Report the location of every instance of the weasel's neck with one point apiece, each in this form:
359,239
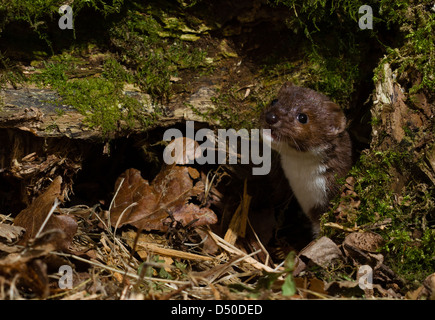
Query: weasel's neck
305,172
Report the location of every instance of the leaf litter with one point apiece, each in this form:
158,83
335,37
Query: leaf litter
157,205
160,240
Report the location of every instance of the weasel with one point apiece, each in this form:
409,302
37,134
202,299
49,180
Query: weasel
309,132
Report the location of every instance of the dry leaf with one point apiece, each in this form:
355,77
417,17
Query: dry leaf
148,206
425,291
362,248
322,252
366,241
32,218
237,227
182,150
344,288
208,244
310,287
29,270
10,233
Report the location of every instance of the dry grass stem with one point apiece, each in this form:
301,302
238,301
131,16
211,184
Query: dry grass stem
50,213
131,275
232,249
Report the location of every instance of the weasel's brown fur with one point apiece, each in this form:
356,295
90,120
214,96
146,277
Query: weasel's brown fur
309,131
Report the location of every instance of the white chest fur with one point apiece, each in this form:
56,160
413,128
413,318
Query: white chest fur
305,173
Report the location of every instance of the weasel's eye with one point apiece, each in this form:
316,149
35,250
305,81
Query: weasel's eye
302,118
274,101
271,117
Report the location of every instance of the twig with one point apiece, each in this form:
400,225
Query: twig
340,227
6,218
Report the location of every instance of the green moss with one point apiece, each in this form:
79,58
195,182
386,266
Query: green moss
335,56
115,72
417,54
148,38
142,57
411,257
335,76
140,45
101,99
9,73
410,240
41,15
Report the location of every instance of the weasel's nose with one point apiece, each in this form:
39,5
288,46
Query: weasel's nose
271,117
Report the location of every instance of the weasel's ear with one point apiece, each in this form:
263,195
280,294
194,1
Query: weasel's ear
286,87
288,84
337,119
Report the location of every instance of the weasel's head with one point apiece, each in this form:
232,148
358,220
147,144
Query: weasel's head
302,119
